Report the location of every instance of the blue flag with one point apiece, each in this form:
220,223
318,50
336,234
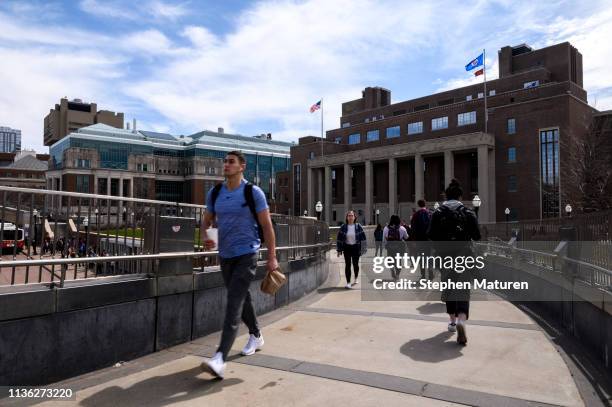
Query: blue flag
475,63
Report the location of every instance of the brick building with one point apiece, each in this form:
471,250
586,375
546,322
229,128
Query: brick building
385,156
71,115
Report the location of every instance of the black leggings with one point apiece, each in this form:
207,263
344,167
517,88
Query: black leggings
351,254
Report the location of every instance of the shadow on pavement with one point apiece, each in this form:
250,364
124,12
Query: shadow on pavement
161,390
432,308
432,350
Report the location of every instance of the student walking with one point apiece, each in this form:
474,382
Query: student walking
243,220
378,239
351,242
419,225
453,227
395,236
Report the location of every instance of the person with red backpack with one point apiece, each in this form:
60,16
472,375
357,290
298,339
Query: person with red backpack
243,220
453,227
395,237
419,225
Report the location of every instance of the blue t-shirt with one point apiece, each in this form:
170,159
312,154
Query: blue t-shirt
237,227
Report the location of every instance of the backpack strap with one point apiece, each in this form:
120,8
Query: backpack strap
250,200
214,195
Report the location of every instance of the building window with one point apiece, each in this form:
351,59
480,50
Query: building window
297,177
468,98
346,124
549,172
311,155
511,126
480,95
512,154
439,123
393,131
82,183
492,92
81,163
466,118
338,140
372,135
354,138
415,128
512,183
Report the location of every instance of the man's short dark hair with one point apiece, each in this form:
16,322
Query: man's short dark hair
454,191
421,203
238,154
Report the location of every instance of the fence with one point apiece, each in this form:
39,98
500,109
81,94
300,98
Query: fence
592,230
58,236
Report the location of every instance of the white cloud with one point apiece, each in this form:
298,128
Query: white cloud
277,59
156,9
164,10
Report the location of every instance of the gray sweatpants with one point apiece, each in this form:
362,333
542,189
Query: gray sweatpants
238,272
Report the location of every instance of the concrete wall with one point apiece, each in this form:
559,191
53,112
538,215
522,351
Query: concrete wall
47,335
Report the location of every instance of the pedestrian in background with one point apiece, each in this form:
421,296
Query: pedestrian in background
378,239
351,242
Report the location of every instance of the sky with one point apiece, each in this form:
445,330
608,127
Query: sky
257,67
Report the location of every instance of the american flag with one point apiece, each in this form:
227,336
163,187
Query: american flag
315,107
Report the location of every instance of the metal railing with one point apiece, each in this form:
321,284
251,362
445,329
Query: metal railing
593,229
554,262
57,236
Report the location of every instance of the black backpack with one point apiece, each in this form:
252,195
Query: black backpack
453,224
250,202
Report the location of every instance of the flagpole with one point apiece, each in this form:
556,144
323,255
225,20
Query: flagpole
484,68
322,138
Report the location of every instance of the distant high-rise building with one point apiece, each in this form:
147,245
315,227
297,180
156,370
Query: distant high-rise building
71,115
10,140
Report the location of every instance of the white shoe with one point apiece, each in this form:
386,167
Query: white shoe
356,282
215,365
253,344
348,286
452,327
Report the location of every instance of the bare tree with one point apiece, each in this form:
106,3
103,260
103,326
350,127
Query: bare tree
589,174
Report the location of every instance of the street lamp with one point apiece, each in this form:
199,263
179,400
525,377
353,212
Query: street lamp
377,215
436,206
35,213
568,210
507,212
319,209
476,204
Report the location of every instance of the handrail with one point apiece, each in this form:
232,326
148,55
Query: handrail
97,196
158,256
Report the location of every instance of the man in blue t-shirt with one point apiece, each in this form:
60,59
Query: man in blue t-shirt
238,245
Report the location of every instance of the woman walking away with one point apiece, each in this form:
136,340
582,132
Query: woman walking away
453,227
351,242
395,236
378,238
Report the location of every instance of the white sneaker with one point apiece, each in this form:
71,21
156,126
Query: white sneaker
215,365
348,286
356,282
452,327
253,344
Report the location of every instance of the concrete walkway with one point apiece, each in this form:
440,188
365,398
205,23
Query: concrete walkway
332,348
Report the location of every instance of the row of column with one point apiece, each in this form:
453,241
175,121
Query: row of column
485,184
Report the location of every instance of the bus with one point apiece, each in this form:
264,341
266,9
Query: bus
8,237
